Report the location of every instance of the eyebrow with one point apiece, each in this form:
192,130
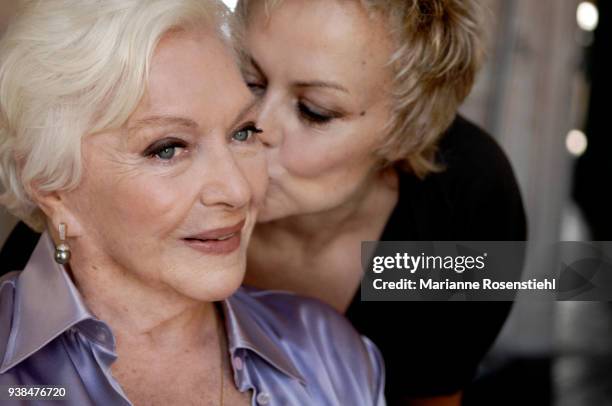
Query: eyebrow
165,121
162,121
318,83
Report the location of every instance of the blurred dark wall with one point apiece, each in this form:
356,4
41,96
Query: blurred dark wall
592,187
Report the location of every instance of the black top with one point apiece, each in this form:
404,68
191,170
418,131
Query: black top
434,348
430,348
17,249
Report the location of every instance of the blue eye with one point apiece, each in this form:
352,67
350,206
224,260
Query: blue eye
244,134
166,149
167,153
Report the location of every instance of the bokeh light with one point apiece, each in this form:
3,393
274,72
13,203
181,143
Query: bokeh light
587,16
576,142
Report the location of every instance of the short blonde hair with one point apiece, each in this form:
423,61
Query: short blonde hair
439,48
69,68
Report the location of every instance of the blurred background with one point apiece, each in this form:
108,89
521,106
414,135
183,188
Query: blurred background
542,94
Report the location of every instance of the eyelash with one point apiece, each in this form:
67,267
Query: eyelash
256,88
306,113
157,148
247,127
314,117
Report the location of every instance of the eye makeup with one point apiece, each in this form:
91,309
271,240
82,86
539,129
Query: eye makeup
164,149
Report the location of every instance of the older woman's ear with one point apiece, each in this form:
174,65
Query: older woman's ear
58,209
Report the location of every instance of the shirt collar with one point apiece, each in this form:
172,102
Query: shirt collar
248,328
44,284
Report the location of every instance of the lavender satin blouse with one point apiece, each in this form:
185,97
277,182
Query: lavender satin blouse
286,349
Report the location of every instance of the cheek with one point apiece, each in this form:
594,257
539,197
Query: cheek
136,203
314,155
150,199
310,161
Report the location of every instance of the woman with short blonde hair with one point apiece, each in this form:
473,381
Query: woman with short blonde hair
437,49
359,101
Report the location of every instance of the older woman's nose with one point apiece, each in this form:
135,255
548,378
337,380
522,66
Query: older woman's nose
225,184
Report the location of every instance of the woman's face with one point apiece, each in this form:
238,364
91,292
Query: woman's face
171,198
321,70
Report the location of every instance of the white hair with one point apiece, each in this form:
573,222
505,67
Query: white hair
69,68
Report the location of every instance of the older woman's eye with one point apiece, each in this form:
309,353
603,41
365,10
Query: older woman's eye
315,116
246,133
165,150
166,153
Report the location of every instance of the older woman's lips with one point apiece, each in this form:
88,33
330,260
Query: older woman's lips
220,241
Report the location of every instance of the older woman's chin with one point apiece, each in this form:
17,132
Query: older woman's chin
210,286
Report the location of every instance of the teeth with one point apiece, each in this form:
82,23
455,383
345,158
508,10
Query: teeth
225,237
222,238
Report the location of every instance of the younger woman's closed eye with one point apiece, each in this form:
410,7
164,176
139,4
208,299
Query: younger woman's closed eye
314,115
257,88
254,79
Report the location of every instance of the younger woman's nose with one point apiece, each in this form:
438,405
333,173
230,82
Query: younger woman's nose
268,120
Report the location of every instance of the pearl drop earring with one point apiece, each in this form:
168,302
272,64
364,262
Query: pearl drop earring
62,251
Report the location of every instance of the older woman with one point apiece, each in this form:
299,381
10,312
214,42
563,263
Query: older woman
357,100
127,133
